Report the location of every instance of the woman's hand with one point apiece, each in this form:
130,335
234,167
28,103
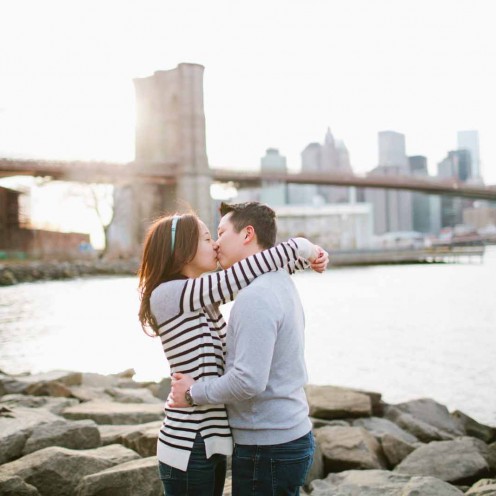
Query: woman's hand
180,383
320,262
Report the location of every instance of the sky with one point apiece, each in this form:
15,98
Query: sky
277,74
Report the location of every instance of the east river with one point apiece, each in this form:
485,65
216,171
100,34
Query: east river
406,331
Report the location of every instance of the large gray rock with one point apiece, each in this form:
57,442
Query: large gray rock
49,388
345,448
103,412
131,395
53,405
417,427
317,469
20,383
90,393
128,479
380,483
432,413
381,426
395,449
140,438
16,426
15,486
460,461
473,428
76,434
57,471
331,402
483,487
161,389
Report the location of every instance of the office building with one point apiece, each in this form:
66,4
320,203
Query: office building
469,140
457,165
392,208
337,226
273,192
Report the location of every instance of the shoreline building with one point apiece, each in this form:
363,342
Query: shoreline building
338,226
469,140
426,209
331,156
392,208
456,165
273,192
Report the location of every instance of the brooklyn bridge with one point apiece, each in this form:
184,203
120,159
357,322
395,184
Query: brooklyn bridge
171,166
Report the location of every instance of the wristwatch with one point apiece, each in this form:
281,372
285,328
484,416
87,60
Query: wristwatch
189,398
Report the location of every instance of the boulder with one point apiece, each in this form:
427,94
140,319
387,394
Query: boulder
473,428
380,483
140,438
90,393
129,395
421,430
19,383
52,404
15,486
56,471
345,448
483,487
127,479
432,413
162,389
317,423
460,461
106,412
396,449
47,388
77,434
381,426
331,402
16,426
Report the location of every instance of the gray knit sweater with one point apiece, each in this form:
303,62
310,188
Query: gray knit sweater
265,367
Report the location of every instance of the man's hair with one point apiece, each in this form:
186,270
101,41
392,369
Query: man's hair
261,217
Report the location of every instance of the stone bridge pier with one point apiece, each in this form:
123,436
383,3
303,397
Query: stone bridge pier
170,137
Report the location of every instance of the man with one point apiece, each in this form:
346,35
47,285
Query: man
265,369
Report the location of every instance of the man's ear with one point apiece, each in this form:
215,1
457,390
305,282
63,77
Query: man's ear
249,235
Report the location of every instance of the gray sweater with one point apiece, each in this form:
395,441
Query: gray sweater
265,367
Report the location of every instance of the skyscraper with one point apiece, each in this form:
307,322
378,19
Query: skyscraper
456,165
469,140
273,192
392,208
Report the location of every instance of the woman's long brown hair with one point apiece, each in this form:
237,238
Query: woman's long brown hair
160,263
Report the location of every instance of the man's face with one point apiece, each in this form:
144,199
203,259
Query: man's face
230,244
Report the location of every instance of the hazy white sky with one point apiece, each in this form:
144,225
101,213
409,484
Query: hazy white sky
277,73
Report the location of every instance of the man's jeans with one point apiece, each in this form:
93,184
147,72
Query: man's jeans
278,469
204,476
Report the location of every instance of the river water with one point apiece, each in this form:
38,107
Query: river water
407,331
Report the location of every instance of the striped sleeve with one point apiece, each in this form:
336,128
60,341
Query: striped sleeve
223,286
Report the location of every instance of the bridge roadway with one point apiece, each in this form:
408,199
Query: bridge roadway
166,174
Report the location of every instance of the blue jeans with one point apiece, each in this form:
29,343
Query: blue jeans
203,477
272,470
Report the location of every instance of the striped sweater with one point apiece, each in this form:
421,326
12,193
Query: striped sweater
192,331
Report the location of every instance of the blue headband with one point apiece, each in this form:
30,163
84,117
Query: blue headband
175,220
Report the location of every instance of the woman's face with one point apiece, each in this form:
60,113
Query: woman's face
206,256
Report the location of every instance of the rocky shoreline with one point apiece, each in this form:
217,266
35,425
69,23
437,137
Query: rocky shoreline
72,433
14,273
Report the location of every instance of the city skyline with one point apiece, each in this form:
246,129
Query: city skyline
276,76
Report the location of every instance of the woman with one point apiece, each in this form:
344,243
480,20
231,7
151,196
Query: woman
182,307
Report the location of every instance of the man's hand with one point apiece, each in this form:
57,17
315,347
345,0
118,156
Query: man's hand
319,264
180,383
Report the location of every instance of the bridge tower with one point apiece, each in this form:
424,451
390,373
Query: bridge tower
170,135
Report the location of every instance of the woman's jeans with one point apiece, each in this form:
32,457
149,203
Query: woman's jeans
273,470
204,477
